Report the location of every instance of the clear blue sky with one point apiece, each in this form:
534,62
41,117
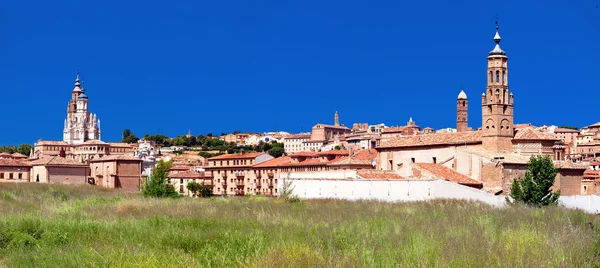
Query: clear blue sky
218,66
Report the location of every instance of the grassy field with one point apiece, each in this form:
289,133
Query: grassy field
65,226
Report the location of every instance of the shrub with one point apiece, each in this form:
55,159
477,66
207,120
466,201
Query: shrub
535,188
156,185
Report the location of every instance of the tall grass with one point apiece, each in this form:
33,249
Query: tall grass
75,226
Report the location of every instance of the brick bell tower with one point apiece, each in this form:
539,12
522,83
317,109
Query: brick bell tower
497,103
462,112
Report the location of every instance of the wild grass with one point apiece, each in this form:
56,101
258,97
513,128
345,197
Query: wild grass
84,226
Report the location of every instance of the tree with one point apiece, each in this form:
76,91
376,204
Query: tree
199,190
194,187
156,185
24,149
129,137
570,127
338,147
535,188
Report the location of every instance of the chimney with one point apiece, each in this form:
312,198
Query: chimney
62,153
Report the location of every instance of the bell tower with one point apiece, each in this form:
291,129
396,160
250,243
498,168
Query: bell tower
497,103
462,112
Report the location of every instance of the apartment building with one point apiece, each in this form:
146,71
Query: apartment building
232,173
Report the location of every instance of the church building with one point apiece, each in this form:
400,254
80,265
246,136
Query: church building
81,134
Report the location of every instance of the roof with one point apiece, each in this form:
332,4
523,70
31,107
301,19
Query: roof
565,130
305,154
361,158
590,143
532,134
333,152
449,174
393,129
462,95
13,163
283,160
121,157
56,161
297,136
332,126
236,156
119,144
597,124
187,175
184,168
93,142
18,155
526,125
376,174
470,137
4,154
46,142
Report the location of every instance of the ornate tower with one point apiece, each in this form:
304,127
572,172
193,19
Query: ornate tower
497,103
80,125
462,112
336,119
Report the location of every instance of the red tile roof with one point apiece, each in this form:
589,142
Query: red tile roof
470,137
297,136
532,134
121,157
333,152
449,174
379,175
360,158
236,156
565,130
305,154
393,129
45,142
187,175
5,155
57,161
284,160
18,155
183,168
13,163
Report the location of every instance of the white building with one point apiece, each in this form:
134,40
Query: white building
80,125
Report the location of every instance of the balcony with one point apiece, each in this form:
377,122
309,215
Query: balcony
239,182
270,174
239,175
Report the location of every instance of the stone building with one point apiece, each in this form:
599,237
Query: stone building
231,173
57,169
493,156
462,112
117,171
295,143
81,134
14,170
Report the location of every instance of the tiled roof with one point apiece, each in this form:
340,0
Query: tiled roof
520,126
570,165
333,152
332,126
305,154
56,161
590,143
3,154
13,163
565,130
449,174
470,137
597,124
236,156
284,160
119,144
45,142
376,174
116,157
311,162
18,155
532,134
362,158
184,168
93,142
187,175
393,129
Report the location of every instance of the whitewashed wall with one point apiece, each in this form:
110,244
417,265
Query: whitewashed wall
412,190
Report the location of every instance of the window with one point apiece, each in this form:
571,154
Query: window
2,175
497,76
435,160
412,160
180,188
10,175
20,176
181,181
37,178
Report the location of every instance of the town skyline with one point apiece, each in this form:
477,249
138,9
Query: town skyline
392,63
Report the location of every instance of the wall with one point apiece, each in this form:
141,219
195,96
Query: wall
128,176
41,172
71,175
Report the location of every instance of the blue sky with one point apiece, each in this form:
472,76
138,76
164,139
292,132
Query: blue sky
218,66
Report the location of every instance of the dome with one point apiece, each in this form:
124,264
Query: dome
82,96
462,95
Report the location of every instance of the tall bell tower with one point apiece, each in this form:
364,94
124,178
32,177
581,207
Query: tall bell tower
497,103
462,112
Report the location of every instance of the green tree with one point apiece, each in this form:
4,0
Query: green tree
338,147
570,127
24,149
276,151
157,185
535,188
129,137
194,187
199,190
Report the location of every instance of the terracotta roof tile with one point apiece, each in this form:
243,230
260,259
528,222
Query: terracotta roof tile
565,130
3,154
360,158
13,163
532,134
305,154
45,142
379,175
18,155
284,160
297,136
449,174
393,129
116,157
187,175
183,168
120,144
93,142
236,156
56,161
470,137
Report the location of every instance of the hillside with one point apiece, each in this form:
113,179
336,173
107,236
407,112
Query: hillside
86,226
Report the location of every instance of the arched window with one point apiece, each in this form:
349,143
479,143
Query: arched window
497,76
491,77
503,77
464,103
76,134
37,178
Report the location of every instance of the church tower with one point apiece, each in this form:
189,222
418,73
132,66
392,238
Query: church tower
462,112
336,119
80,125
497,103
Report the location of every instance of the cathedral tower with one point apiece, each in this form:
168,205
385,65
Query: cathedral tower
497,103
336,119
80,125
462,112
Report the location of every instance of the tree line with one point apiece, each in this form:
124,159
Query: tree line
23,149
207,143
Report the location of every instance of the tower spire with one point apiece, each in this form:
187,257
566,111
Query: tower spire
497,50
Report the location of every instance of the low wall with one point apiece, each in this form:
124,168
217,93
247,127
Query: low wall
413,190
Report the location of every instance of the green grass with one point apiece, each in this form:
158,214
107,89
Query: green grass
85,226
